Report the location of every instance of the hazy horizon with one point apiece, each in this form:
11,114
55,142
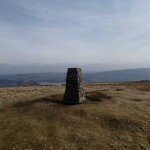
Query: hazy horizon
6,69
56,31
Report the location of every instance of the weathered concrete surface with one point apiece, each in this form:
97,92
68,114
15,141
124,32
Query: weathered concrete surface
74,92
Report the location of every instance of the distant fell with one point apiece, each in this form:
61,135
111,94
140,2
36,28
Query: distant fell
12,83
28,83
107,76
119,75
39,68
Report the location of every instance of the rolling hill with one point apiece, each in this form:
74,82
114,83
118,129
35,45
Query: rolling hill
119,75
39,68
59,77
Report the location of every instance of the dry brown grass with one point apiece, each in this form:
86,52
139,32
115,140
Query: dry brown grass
111,120
14,94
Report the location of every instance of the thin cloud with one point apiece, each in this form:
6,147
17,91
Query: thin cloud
56,31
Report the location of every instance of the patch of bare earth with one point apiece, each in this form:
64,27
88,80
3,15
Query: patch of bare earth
116,116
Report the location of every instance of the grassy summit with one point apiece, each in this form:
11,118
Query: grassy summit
117,116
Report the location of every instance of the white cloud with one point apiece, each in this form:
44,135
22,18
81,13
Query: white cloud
71,31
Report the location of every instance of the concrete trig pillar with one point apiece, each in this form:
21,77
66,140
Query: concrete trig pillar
74,92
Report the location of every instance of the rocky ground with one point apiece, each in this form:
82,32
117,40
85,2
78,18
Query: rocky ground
116,117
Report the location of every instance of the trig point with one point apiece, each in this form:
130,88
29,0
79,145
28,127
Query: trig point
74,93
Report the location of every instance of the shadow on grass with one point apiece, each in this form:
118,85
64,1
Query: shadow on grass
56,99
97,96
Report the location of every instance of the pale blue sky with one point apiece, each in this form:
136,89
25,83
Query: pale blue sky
58,31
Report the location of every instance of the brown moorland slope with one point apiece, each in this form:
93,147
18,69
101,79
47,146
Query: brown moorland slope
116,116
